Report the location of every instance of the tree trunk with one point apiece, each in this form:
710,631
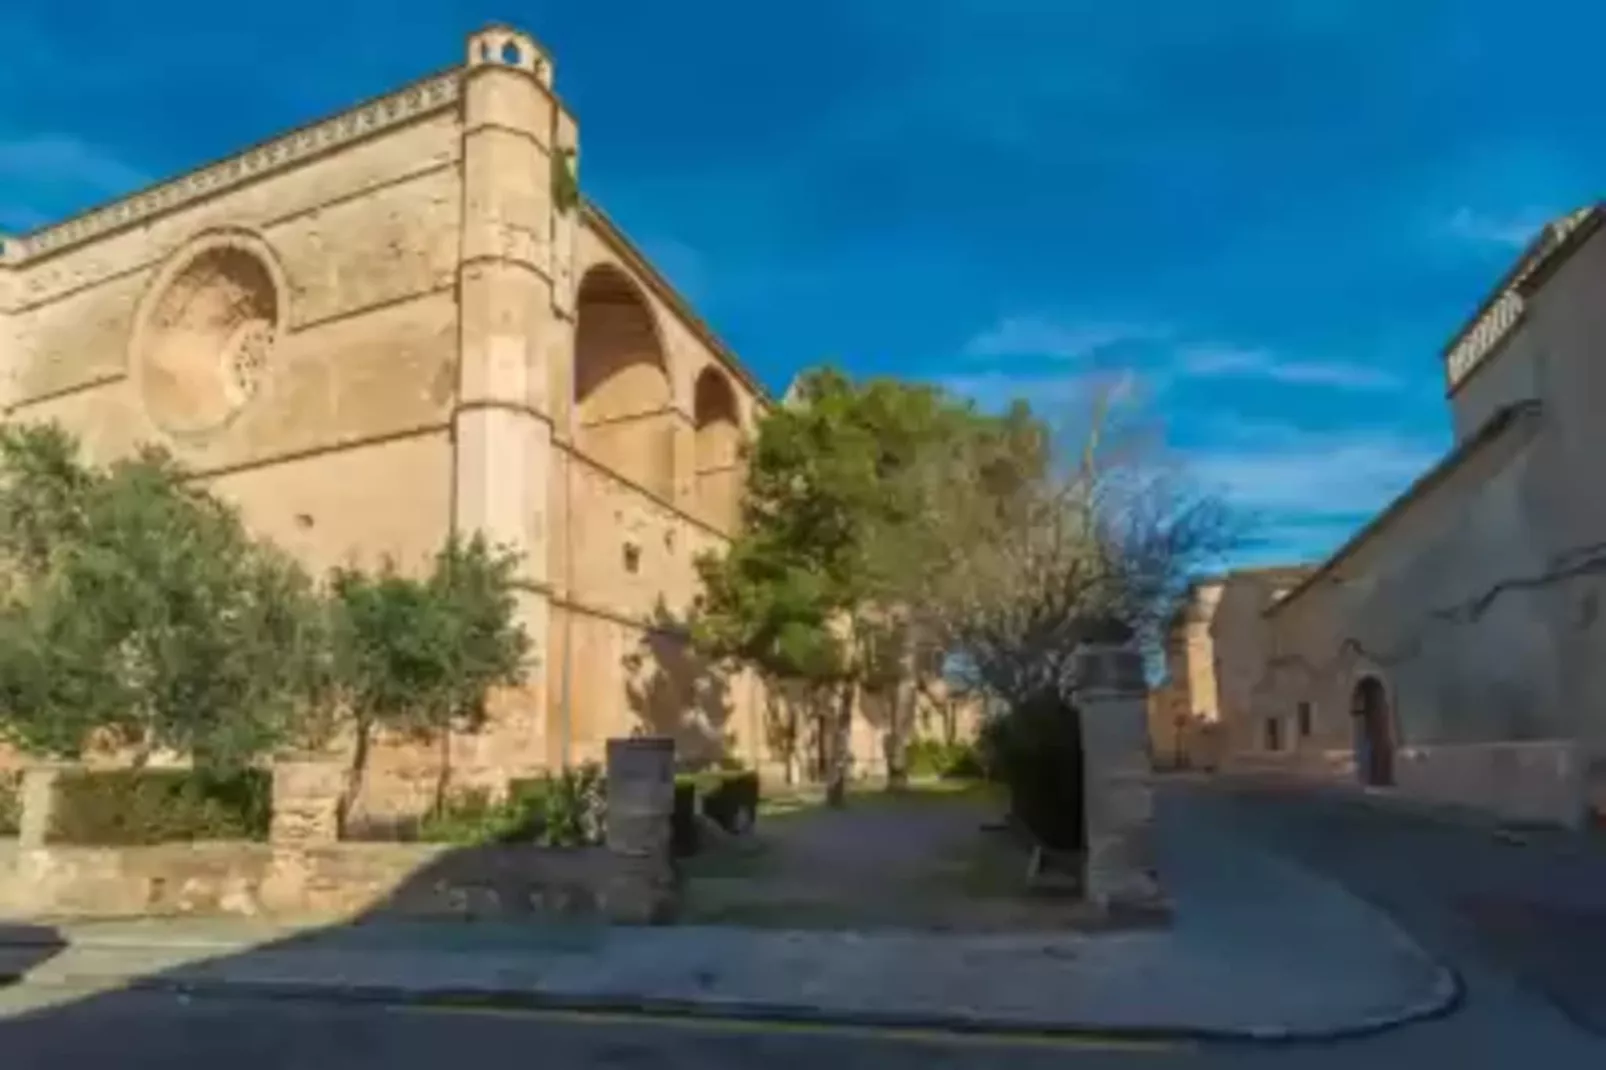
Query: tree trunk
356,772
840,727
443,774
902,718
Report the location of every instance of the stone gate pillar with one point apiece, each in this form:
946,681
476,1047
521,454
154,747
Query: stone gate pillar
641,804
514,302
37,796
1119,807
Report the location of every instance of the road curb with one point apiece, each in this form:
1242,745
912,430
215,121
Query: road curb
1444,997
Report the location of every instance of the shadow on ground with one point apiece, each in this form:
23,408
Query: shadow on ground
869,879
24,947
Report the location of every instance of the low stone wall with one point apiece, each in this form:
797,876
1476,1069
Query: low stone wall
1539,780
1327,766
335,882
304,871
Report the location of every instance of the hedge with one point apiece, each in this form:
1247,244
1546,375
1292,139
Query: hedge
685,836
131,807
951,761
729,798
1038,747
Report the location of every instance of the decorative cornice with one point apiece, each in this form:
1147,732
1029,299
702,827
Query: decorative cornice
1503,309
411,102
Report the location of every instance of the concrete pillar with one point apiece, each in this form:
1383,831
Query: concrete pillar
1119,807
641,803
38,801
514,273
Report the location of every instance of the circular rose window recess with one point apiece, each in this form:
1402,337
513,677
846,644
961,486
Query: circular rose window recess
206,337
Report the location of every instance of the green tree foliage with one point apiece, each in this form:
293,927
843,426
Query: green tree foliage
136,611
136,606
839,486
419,656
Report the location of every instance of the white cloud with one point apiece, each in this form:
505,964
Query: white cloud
1235,362
57,157
36,171
1514,229
995,390
1034,336
1294,476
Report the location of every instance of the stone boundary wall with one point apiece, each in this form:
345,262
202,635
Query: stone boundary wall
305,872
1332,766
1549,781
1537,780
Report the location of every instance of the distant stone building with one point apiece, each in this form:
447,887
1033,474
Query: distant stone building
1214,652
1453,649
401,321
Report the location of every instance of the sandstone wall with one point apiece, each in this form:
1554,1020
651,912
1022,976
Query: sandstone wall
375,317
356,390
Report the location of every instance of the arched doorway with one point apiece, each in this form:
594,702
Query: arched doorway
623,410
1374,732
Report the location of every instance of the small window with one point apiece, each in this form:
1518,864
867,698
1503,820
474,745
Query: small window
1274,733
1304,720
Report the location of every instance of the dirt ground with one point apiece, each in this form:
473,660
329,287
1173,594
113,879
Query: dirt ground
932,858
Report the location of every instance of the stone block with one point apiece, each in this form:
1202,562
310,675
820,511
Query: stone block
306,802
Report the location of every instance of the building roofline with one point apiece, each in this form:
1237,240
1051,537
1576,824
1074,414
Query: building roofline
374,115
1503,421
637,261
1501,310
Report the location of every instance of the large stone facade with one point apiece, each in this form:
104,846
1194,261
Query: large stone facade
401,321
1454,649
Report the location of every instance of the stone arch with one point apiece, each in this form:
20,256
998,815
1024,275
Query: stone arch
717,419
623,403
206,330
1374,731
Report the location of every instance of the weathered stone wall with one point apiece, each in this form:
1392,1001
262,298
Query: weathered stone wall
339,882
303,871
1477,605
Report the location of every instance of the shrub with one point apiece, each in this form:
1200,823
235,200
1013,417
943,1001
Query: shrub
958,760
1038,747
470,817
566,810
129,807
10,803
729,798
574,808
685,837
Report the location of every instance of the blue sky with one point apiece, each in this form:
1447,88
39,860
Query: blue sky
1268,215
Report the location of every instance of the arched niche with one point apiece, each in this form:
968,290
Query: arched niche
623,414
717,419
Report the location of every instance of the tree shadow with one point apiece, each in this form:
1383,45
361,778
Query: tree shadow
675,692
467,921
25,946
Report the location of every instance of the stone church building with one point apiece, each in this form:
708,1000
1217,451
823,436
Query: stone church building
1454,649
403,320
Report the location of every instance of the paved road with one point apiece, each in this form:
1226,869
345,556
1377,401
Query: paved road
1427,874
